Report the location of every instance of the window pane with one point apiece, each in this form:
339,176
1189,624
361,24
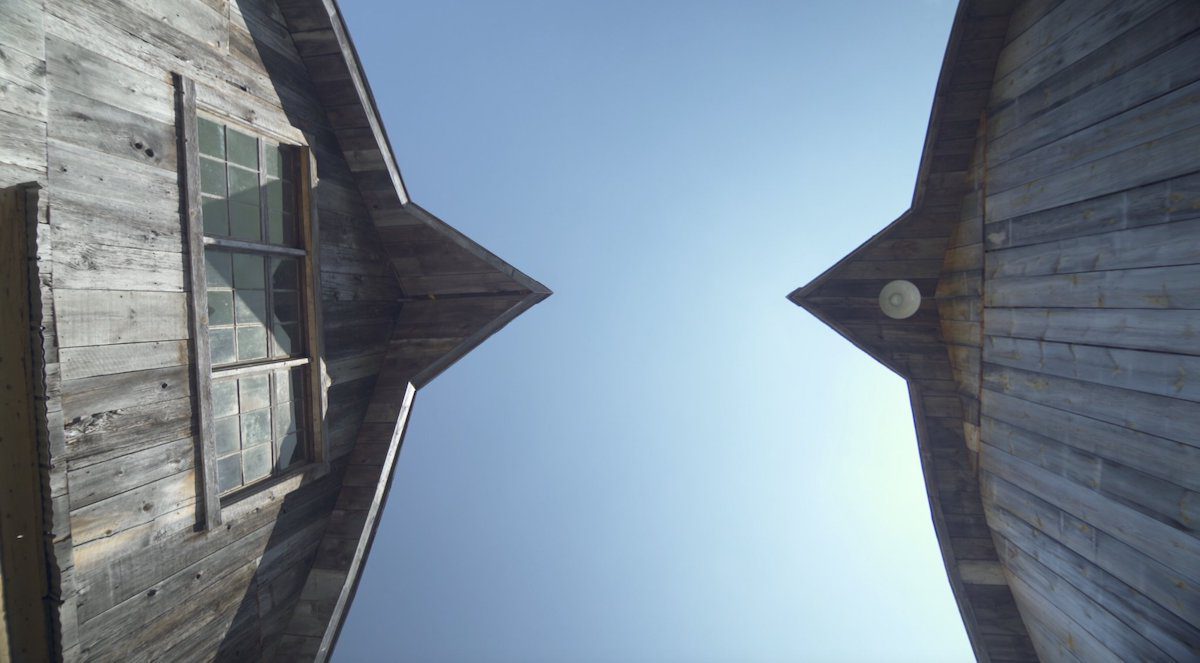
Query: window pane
256,462
288,384
227,435
279,229
251,307
285,419
220,307
283,273
256,428
274,164
255,392
285,306
215,216
220,346
220,268
289,452
224,397
243,186
212,177
212,138
229,473
244,222
251,342
287,340
274,195
248,271
242,149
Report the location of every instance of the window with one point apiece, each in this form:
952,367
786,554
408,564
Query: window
254,313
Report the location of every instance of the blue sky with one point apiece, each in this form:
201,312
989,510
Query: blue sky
666,460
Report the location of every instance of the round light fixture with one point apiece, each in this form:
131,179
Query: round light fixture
899,299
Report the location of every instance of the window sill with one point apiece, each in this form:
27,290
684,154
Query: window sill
256,497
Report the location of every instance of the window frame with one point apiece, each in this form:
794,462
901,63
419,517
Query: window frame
305,250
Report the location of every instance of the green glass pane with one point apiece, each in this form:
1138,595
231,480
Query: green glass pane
220,307
283,273
287,384
251,342
220,268
256,463
224,398
212,138
274,194
276,232
285,419
285,306
255,392
215,216
243,186
274,164
212,177
248,271
251,307
244,222
220,346
287,340
242,149
229,473
256,428
226,432
289,452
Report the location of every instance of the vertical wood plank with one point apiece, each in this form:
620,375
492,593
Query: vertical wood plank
189,168
22,555
318,396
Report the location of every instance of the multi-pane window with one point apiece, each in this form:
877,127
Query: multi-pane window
255,261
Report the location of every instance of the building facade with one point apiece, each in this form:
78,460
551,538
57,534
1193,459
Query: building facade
1052,351
219,302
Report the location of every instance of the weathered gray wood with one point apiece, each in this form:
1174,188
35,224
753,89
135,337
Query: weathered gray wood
1158,499
98,481
1160,330
1153,246
91,361
1110,93
134,507
1146,163
1067,41
1084,609
1171,418
189,168
1150,121
1149,372
88,396
1159,457
1173,548
1015,506
1141,43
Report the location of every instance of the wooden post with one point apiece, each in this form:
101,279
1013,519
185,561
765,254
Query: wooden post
208,501
23,581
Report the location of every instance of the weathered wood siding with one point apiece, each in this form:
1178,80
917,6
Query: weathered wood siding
1090,462
88,109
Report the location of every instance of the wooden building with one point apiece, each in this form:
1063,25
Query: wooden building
218,303
1053,357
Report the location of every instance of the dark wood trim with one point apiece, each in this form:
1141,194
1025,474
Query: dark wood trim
25,623
209,502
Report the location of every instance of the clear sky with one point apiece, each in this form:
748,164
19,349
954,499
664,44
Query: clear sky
666,460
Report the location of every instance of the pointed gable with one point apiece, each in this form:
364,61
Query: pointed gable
455,294
935,244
